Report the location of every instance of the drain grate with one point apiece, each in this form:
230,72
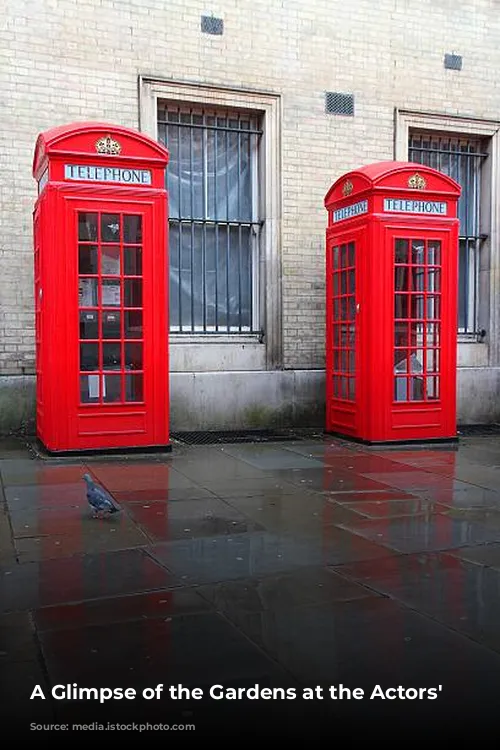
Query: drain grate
479,430
245,436
214,437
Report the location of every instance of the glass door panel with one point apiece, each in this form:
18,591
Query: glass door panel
110,292
417,319
344,323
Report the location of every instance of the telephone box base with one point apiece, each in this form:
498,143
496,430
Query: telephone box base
444,441
141,449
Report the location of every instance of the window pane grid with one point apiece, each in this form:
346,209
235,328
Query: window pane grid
344,325
213,218
460,158
417,319
110,308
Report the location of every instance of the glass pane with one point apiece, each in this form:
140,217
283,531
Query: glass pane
89,328
350,254
416,389
336,309
416,335
433,387
401,278
110,228
110,259
87,227
401,306
432,360
402,251
111,293
134,388
418,279
133,293
344,302
417,252
89,389
433,334
351,308
343,256
433,307
87,259
336,284
401,334
336,263
350,282
87,292
400,389
112,390
133,261
111,356
434,253
336,387
111,325
89,357
433,280
351,394
133,356
343,282
132,229
133,324
418,303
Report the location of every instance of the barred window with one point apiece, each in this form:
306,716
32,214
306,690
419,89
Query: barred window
214,222
461,158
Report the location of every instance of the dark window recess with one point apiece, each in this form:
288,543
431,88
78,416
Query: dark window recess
453,62
339,104
214,223
211,25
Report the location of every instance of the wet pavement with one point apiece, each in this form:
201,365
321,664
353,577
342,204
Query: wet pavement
308,564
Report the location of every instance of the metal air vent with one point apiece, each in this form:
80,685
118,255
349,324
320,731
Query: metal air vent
339,104
212,25
453,62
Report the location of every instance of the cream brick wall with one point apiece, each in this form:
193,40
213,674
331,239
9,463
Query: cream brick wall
62,60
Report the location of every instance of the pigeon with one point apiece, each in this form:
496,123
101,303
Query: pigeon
99,499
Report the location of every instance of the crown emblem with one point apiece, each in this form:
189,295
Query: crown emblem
347,189
108,145
417,182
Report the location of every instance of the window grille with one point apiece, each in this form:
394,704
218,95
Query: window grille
460,158
214,224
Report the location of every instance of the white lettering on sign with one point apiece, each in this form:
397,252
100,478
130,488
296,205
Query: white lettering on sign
107,174
355,209
415,207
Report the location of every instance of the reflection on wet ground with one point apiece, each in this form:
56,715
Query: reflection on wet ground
294,565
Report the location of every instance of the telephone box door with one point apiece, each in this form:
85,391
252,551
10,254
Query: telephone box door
115,321
342,331
424,360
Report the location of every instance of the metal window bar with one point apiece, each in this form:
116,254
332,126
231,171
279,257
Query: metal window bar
460,158
214,223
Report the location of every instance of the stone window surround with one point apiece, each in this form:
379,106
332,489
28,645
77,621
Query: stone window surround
152,89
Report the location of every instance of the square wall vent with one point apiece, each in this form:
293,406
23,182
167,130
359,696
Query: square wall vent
453,62
212,25
339,104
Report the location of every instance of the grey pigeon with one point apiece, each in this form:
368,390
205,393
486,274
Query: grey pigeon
99,499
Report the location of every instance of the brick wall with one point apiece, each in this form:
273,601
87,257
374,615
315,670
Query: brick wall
62,61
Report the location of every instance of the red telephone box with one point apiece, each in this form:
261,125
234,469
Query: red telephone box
100,245
392,288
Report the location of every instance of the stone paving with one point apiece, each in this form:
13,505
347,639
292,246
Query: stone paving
290,565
